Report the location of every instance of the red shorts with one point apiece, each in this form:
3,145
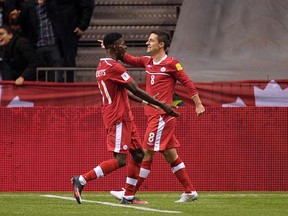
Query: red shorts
159,134
123,137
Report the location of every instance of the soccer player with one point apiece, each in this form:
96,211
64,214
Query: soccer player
122,135
162,73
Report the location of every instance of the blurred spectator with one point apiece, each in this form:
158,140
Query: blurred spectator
70,18
36,26
19,57
11,13
3,19
2,13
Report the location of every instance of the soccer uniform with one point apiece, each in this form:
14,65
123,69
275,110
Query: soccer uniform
161,78
122,134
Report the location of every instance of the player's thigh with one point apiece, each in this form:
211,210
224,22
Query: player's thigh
119,137
135,138
159,133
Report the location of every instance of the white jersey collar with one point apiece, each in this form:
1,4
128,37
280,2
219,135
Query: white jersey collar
156,63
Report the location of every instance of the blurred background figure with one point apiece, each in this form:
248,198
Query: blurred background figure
19,61
70,18
54,27
2,9
31,18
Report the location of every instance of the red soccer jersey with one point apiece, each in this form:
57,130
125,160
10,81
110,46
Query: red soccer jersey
161,78
110,76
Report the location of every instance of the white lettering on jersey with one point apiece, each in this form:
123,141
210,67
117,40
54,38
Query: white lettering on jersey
105,93
100,73
125,76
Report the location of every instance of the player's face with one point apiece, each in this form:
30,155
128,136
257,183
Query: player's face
153,45
120,47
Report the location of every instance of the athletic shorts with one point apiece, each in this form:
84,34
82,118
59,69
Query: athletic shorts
159,134
123,138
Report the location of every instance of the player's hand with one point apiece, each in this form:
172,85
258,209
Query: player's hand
169,109
200,110
101,44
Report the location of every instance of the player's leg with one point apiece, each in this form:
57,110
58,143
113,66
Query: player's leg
116,143
145,168
143,174
155,139
179,170
133,168
103,169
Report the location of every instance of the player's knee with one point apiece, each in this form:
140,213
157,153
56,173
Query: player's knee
122,163
121,159
138,155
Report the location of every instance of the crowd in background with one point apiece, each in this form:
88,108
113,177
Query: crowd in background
41,33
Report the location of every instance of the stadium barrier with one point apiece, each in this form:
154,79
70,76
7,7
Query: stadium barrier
82,74
227,149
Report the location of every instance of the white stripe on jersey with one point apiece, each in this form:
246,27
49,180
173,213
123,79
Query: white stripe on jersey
118,137
161,125
106,60
101,92
158,73
106,92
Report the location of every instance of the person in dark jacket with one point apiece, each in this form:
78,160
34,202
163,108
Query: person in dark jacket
19,61
69,20
35,24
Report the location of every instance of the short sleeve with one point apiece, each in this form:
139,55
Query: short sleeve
120,74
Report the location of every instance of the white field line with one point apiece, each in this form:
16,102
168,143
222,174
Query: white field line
113,204
204,194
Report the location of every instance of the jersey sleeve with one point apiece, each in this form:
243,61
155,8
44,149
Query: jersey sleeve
120,74
136,61
181,76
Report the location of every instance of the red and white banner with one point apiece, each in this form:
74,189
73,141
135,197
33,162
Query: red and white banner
221,94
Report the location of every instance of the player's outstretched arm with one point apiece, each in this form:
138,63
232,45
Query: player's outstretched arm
142,102
133,87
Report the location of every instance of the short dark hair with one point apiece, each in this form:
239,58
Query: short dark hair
111,38
164,37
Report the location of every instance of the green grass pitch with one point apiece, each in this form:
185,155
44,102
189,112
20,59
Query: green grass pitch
102,203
